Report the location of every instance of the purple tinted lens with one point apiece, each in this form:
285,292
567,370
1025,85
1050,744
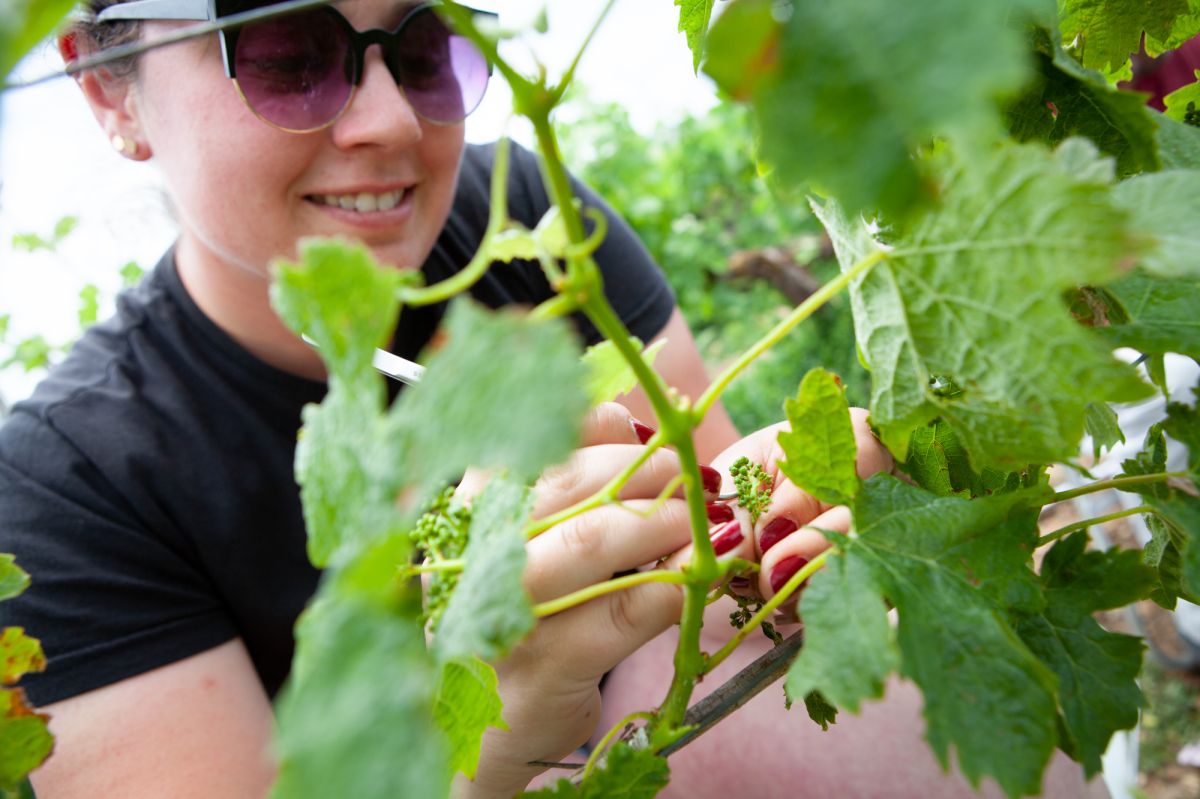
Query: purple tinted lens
293,71
443,75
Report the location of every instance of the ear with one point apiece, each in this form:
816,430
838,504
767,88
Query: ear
113,101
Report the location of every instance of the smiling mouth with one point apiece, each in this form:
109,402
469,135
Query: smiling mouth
363,202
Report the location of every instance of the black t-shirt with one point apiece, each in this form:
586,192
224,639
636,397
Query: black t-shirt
147,485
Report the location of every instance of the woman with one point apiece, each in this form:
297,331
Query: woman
147,484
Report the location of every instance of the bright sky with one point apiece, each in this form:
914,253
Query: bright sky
55,161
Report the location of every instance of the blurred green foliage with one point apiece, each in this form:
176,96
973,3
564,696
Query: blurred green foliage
694,195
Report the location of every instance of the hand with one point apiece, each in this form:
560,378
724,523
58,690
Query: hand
550,682
786,536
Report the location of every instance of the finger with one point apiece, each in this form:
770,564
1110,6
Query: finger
791,508
789,555
612,423
593,638
729,530
588,470
873,457
593,546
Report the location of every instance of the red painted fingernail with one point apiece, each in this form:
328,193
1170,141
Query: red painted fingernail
778,529
739,583
719,512
644,432
784,570
711,478
726,537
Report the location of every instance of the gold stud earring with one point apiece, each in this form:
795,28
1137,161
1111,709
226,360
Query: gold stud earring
126,147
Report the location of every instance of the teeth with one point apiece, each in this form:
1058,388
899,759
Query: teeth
363,203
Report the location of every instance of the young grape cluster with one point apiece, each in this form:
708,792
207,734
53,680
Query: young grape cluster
441,534
753,486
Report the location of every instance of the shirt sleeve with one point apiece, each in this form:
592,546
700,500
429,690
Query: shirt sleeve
108,598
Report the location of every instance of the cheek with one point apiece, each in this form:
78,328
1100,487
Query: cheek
222,167
441,155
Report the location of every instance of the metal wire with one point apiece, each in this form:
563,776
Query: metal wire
182,35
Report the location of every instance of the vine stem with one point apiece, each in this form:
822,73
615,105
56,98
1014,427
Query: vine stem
765,612
1116,482
602,497
594,757
798,315
1086,523
569,75
607,587
462,280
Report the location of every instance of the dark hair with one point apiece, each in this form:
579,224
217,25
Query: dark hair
97,36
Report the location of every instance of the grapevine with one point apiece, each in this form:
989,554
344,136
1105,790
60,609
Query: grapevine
961,215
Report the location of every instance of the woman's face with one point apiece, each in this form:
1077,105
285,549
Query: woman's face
246,192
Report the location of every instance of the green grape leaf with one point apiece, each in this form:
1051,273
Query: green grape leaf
1151,459
627,773
1181,512
1064,99
358,697
694,16
1163,553
1079,582
489,610
474,406
345,302
1183,425
1182,103
25,24
1102,425
1096,669
25,741
1107,32
931,450
1156,370
938,462
19,655
347,497
860,111
1161,314
549,238
946,563
742,47
609,374
820,449
820,710
1163,207
849,646
948,333
1178,144
466,703
13,579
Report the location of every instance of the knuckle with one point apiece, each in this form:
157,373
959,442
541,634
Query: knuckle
623,612
562,479
583,539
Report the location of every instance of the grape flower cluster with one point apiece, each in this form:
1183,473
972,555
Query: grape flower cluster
441,534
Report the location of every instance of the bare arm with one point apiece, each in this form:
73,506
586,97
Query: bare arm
680,365
199,727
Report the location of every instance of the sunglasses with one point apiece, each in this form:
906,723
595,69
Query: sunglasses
299,71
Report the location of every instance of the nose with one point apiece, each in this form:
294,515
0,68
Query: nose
378,114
